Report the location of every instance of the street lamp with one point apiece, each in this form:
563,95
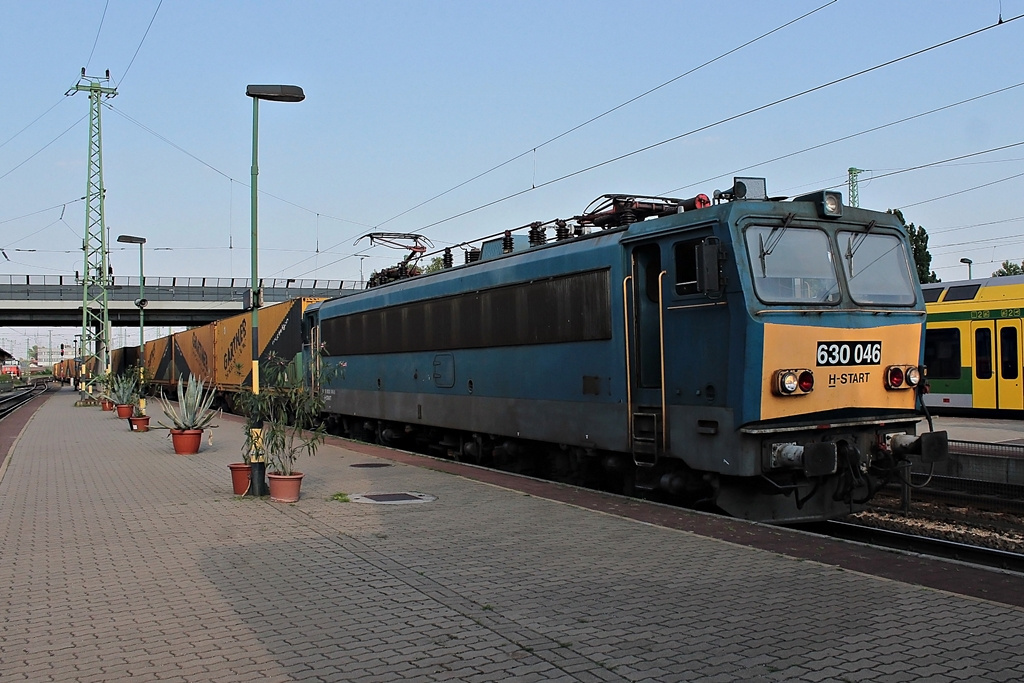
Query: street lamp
273,93
141,303
968,262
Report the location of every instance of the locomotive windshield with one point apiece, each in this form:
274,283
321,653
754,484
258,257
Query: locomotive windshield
792,265
798,266
877,269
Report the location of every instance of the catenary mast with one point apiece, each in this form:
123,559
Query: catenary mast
95,276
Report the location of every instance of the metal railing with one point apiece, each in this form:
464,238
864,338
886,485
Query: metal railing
125,288
985,476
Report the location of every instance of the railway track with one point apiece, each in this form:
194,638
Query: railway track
12,401
922,545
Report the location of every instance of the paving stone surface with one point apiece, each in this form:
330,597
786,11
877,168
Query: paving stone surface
120,559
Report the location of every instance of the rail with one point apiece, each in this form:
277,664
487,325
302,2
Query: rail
15,399
923,545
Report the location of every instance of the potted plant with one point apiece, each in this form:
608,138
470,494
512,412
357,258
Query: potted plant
105,402
123,392
282,423
139,421
194,413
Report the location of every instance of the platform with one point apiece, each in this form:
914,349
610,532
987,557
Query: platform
982,429
121,559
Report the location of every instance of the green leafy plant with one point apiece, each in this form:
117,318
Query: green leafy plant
283,420
195,405
123,389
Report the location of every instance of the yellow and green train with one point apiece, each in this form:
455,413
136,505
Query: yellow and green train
973,348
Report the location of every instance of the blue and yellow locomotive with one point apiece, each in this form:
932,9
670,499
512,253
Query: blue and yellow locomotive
758,356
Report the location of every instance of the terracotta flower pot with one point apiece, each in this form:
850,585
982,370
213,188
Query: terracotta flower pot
284,488
106,404
139,424
125,411
240,477
186,441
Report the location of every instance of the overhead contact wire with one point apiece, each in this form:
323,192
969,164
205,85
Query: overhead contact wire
845,138
534,149
151,20
575,128
727,120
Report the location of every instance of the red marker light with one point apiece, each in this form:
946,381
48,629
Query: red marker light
806,381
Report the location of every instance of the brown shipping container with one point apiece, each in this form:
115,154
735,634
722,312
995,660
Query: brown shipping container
116,361
194,353
280,334
123,360
160,362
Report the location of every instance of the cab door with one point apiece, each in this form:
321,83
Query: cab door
1009,392
983,354
644,313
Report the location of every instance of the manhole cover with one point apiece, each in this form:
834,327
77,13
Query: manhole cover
371,464
392,498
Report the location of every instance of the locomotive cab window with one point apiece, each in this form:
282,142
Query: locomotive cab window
792,265
877,269
686,267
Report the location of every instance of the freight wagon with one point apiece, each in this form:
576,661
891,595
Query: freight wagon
220,353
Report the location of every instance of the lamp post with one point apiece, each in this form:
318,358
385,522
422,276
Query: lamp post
141,303
968,262
273,93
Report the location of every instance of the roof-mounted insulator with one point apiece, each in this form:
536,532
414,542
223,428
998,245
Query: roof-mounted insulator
538,235
507,245
561,230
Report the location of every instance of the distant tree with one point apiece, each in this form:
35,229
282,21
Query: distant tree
1009,268
436,264
919,244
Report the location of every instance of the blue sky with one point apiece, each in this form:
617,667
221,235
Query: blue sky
407,100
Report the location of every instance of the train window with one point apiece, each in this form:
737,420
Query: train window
792,265
932,294
983,353
1008,353
686,267
877,268
569,308
962,293
649,258
942,353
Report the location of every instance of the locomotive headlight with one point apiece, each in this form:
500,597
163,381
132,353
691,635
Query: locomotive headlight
792,382
832,204
913,376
